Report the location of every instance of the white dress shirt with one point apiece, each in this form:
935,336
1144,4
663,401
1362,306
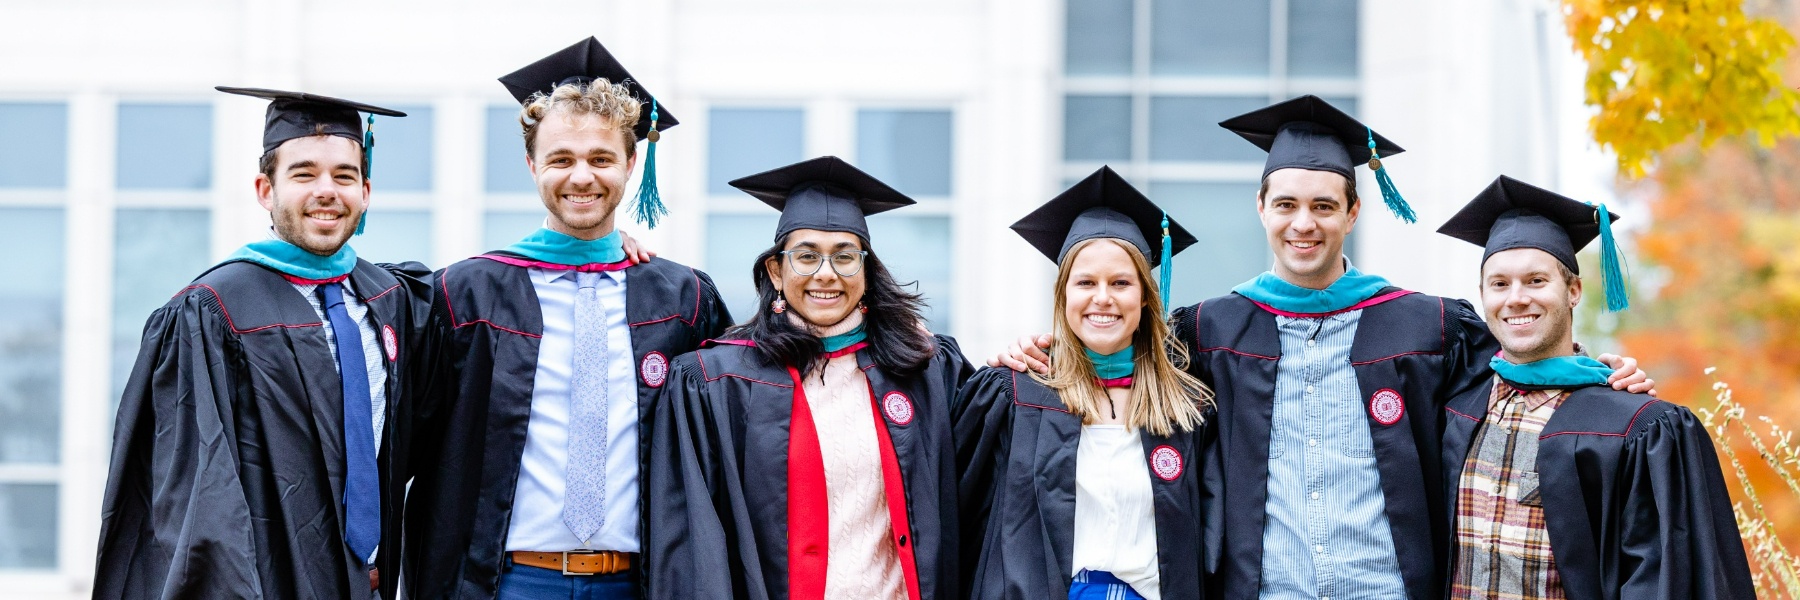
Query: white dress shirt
1115,510
537,515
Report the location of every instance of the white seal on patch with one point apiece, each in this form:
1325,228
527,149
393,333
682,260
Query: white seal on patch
1386,406
898,407
1165,462
389,343
654,369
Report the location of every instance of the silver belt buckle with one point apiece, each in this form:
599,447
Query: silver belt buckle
565,561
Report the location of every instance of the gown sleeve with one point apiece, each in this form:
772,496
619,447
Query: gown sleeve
1468,348
175,522
1678,537
431,377
956,365
714,317
982,429
688,543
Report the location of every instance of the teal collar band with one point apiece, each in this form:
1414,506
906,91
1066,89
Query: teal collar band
1560,372
1112,366
295,262
552,247
1347,291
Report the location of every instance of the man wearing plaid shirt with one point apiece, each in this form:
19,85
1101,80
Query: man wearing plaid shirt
1566,488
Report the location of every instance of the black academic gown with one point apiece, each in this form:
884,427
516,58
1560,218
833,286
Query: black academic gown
718,474
482,341
227,475
1424,348
1015,452
1634,500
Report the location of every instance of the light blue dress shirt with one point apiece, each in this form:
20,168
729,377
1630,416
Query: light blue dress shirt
537,515
1326,534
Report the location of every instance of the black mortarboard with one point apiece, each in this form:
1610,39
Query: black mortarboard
299,114
1103,205
1309,133
824,193
1512,214
583,63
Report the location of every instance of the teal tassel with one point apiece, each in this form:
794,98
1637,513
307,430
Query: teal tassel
1168,263
1389,193
649,202
1611,264
368,163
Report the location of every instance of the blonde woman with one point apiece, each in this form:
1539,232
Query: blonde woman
1084,484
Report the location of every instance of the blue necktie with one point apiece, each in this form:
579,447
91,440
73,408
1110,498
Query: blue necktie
584,502
362,485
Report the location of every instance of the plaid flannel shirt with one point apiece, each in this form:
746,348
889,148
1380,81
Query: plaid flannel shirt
1503,546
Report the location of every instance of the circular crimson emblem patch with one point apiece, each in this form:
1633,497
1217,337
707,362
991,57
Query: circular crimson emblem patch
654,369
390,343
1386,406
898,407
1165,462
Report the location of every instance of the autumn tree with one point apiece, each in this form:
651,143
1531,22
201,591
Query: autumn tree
1691,99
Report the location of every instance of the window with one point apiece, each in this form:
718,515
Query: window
505,153
31,298
1148,82
1099,41
1211,37
165,147
746,141
402,159
34,151
907,149
1230,249
156,252
1097,128
503,227
395,235
733,242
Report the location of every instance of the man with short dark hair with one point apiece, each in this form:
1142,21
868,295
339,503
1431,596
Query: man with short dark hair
260,446
544,358
1562,486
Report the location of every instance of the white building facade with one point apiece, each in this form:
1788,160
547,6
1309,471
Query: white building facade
123,175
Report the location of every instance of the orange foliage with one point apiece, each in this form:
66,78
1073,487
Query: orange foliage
1725,245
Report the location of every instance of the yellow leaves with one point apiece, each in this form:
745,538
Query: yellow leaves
1662,71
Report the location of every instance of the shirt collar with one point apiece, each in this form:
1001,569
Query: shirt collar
542,275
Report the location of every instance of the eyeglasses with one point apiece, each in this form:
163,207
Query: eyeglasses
846,263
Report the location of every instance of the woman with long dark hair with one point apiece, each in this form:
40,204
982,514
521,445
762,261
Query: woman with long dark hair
1084,484
807,454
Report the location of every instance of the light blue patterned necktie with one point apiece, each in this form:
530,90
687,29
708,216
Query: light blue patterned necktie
584,503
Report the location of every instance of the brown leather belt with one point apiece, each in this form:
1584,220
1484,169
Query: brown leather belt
576,562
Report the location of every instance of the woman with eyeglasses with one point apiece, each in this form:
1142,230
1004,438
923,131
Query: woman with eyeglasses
807,454
1085,484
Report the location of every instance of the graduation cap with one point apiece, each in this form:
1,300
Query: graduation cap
299,114
581,64
823,193
1309,133
1512,214
1104,205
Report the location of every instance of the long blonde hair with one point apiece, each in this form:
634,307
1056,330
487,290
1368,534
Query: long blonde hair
1164,397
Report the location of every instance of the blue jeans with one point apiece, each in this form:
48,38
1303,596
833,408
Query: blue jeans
521,582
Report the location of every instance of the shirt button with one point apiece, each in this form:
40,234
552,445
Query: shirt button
1309,389
1319,549
1309,344
1315,495
1312,442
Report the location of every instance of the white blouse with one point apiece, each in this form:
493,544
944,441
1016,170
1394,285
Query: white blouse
1115,512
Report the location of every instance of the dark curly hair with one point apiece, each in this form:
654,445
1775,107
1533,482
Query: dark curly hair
898,341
